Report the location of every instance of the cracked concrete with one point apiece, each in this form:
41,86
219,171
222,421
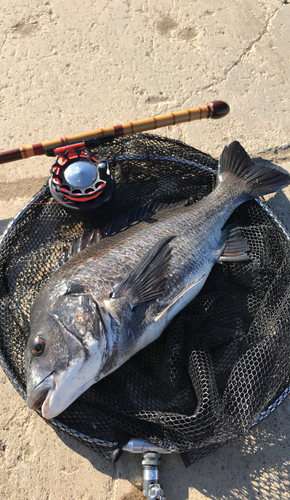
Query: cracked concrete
69,67
252,44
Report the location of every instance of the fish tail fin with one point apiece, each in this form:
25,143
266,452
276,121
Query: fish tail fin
253,179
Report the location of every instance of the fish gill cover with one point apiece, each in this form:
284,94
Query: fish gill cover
224,359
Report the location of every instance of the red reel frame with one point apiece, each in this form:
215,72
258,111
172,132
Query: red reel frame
80,179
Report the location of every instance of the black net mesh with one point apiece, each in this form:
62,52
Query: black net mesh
222,364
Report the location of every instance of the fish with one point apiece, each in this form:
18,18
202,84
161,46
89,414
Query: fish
111,299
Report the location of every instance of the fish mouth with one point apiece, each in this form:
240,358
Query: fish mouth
51,395
40,393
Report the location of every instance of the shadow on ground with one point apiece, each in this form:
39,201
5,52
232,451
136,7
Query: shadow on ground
252,467
3,224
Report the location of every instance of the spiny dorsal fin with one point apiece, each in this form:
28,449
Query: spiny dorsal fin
137,215
85,240
146,281
119,224
236,247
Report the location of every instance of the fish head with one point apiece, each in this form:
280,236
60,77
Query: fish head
66,349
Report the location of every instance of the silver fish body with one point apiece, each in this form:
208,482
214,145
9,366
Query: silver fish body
115,297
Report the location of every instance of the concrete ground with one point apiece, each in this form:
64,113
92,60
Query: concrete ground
70,67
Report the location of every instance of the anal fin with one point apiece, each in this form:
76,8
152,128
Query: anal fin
236,248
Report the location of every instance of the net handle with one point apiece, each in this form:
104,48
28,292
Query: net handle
215,109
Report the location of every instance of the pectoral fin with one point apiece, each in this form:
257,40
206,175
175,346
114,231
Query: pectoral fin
146,281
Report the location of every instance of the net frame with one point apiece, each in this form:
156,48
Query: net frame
109,446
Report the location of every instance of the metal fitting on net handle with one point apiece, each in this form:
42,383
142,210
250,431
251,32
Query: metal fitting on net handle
151,487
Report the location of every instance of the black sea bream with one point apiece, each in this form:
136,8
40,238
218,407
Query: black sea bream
118,295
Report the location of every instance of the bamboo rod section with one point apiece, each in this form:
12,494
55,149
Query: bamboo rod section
215,109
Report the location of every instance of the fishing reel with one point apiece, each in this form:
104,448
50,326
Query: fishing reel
80,178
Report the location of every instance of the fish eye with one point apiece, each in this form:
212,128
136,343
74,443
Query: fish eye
75,288
37,346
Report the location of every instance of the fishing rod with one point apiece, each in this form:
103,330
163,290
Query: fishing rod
215,109
80,178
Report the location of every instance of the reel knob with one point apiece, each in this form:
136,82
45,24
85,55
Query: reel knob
81,180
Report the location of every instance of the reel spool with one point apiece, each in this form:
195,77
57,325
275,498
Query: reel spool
80,179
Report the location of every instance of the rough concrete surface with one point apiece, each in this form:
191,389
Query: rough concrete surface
72,66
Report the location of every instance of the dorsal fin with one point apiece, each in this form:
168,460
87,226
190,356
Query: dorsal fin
121,223
84,241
